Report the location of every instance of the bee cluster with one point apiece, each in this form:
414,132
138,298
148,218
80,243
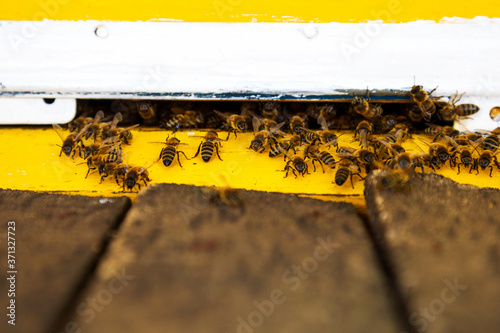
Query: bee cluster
300,132
99,143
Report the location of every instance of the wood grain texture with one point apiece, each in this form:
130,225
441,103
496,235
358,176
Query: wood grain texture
58,239
278,264
442,240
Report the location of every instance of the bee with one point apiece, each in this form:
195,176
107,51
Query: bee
297,124
186,119
133,176
401,132
421,97
491,142
276,147
295,163
146,109
322,157
104,164
326,136
95,127
235,123
363,156
386,123
394,179
421,160
207,147
168,153
347,169
466,158
441,131
226,196
120,171
118,134
485,160
414,113
363,129
71,141
440,152
109,129
270,110
400,159
374,111
451,111
79,123
105,169
327,111
360,105
263,136
466,139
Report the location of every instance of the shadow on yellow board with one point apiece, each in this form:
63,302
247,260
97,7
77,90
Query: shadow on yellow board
30,161
323,11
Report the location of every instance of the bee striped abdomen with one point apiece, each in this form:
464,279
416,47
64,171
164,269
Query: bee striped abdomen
167,155
341,176
464,110
207,150
327,158
491,142
277,149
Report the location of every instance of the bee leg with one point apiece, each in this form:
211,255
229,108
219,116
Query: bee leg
458,166
228,134
294,173
306,170
263,148
491,170
286,169
198,151
314,166
217,151
102,178
320,163
181,152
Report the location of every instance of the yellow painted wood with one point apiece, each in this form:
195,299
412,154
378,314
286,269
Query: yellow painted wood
246,10
30,161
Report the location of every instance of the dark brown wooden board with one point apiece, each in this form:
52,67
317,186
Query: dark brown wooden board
58,239
442,241
188,265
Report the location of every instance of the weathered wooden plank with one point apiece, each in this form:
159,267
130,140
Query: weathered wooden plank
442,240
279,264
57,241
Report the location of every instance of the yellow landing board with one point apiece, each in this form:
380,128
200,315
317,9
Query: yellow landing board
30,161
323,11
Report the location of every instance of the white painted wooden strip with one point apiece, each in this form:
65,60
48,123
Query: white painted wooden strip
36,110
203,60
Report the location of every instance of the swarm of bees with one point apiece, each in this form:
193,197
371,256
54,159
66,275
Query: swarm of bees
299,134
99,142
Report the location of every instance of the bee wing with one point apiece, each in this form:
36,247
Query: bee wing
434,126
385,143
256,124
322,122
116,119
450,141
128,128
225,116
58,130
276,129
98,116
82,131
